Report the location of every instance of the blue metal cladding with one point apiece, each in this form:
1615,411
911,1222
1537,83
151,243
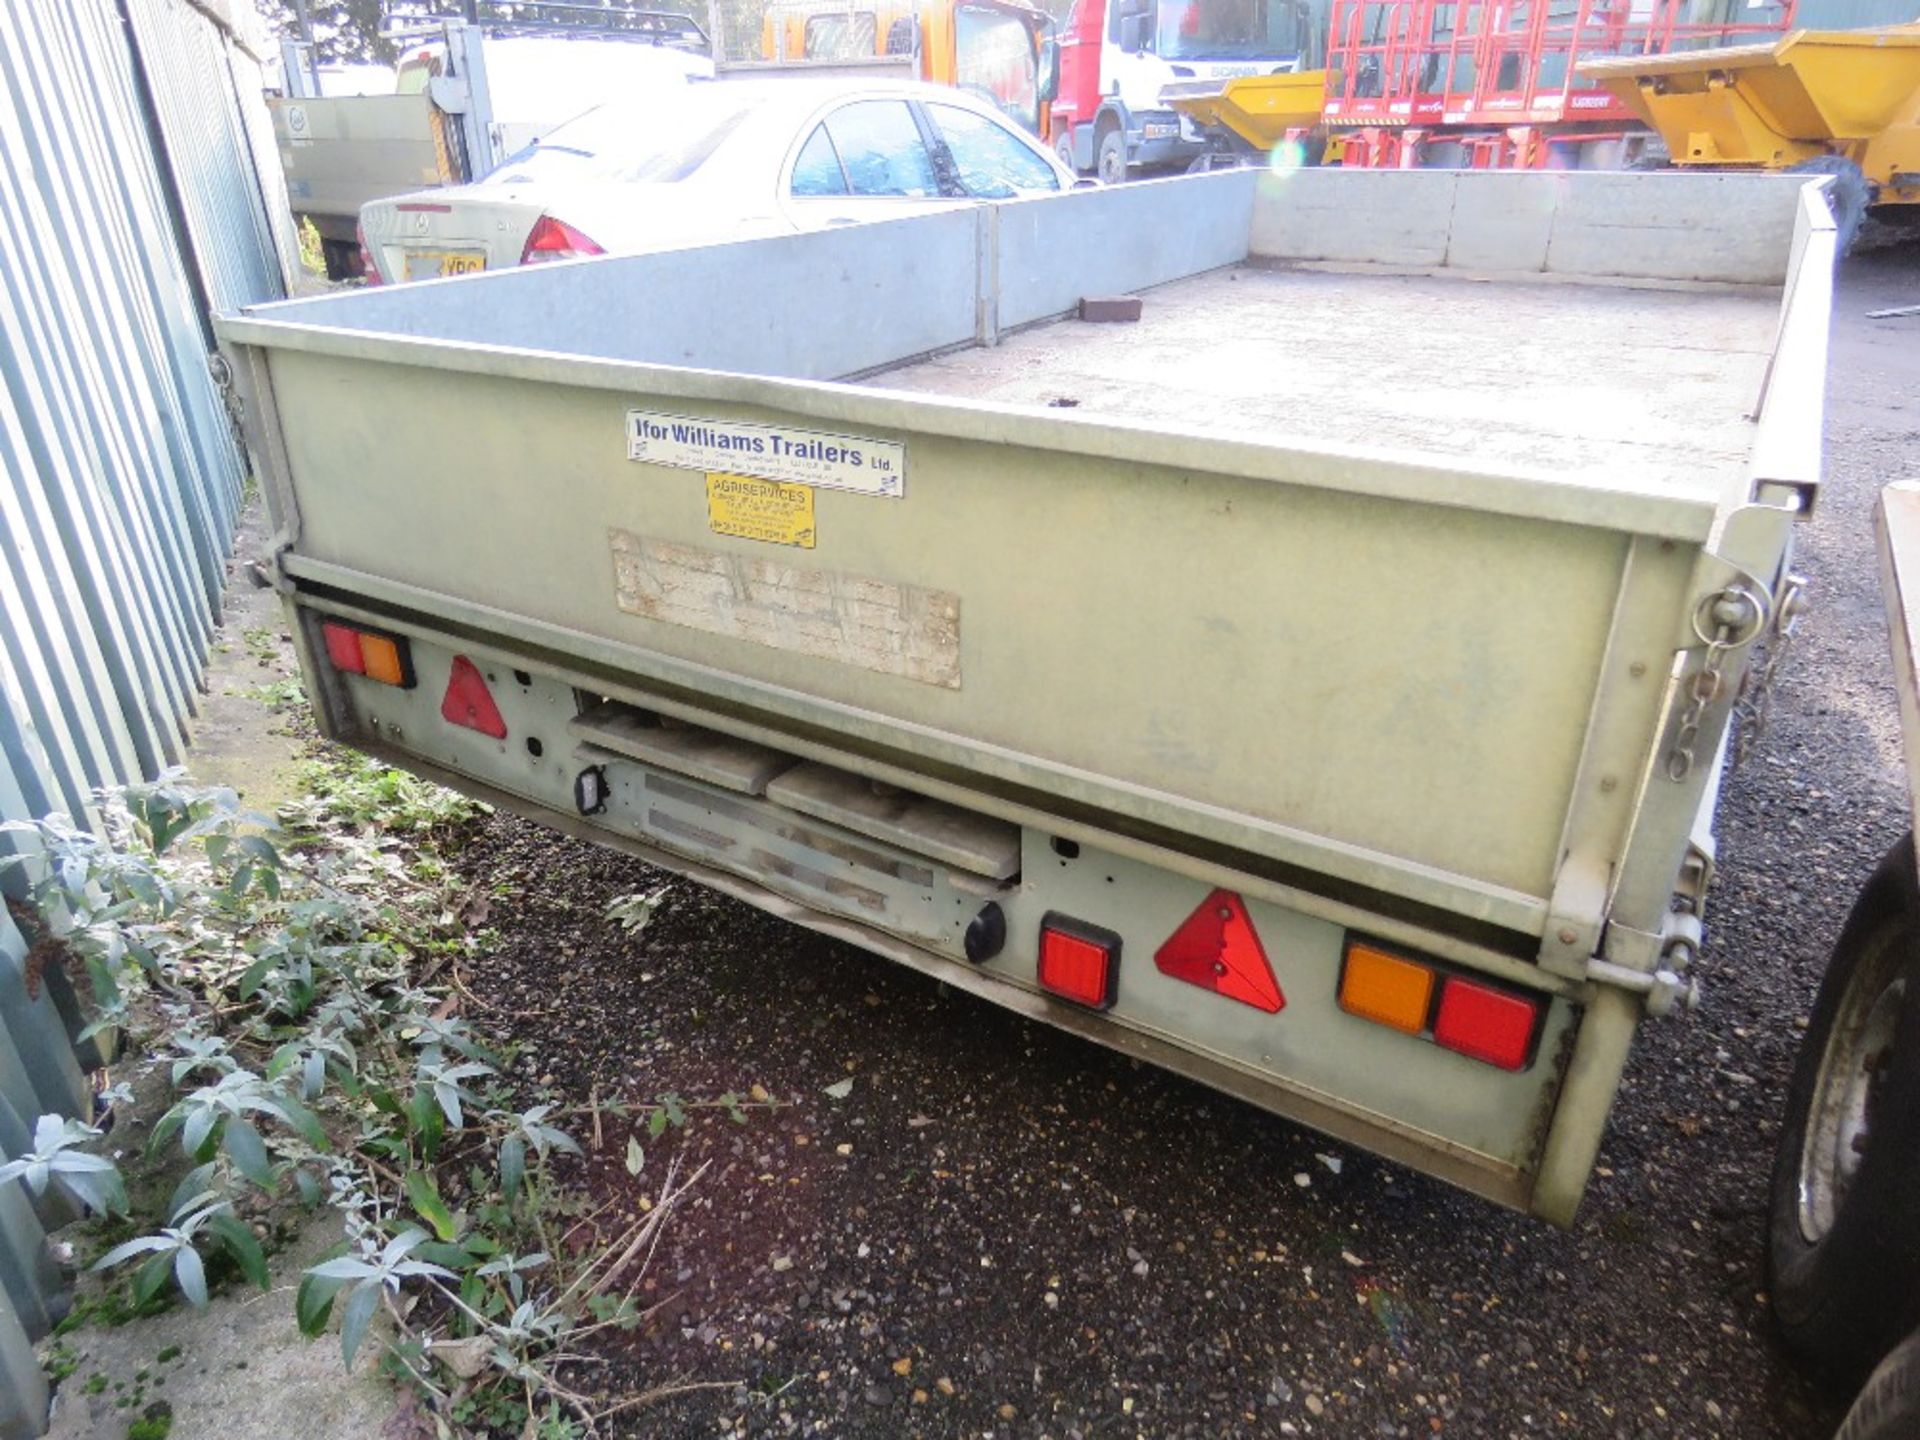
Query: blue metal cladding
135,176
1854,14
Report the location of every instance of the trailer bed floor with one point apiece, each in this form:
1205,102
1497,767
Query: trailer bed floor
1646,388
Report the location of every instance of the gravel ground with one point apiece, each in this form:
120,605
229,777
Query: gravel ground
1005,1231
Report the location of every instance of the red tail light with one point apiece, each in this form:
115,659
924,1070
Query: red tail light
1485,1024
1079,962
469,703
1218,949
368,270
553,239
355,650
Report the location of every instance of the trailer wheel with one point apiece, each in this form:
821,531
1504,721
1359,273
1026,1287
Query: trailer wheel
1844,1245
1848,196
1110,159
1889,1407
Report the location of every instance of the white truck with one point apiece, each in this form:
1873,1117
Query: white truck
1350,747
1110,114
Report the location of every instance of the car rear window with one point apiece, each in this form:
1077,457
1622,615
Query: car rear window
657,143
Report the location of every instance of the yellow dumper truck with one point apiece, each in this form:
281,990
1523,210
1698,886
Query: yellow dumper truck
1842,103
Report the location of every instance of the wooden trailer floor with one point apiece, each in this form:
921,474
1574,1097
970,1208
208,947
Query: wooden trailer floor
1641,388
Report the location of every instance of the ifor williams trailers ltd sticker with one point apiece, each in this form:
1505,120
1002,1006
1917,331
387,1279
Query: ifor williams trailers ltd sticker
771,452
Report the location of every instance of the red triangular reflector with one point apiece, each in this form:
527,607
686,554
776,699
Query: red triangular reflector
1217,949
469,702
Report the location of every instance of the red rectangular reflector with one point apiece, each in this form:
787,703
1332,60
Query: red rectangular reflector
343,648
1485,1024
1079,962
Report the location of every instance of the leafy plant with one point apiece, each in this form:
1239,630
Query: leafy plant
377,1269
359,791
87,1179
287,974
197,1215
529,1131
635,912
218,1114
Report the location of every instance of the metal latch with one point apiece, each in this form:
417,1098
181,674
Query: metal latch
1666,990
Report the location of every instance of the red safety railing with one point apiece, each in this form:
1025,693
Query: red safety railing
1503,62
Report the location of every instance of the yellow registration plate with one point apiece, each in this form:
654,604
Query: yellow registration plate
462,264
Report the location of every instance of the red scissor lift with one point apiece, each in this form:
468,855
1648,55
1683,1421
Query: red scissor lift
1490,84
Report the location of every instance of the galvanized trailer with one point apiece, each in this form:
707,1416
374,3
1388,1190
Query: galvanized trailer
1317,687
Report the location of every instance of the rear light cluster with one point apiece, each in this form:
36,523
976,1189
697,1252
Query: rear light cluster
1216,948
1483,1022
377,655
369,271
553,239
355,650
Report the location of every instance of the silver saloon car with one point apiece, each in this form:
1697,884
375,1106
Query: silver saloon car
720,160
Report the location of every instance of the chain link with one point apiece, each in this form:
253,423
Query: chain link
1732,618
1754,708
222,375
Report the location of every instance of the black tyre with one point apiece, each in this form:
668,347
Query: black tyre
1848,196
1844,1237
1110,162
1889,1407
1063,147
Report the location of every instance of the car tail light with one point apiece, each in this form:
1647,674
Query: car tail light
1486,1023
1217,948
369,271
1489,1023
469,703
553,239
355,650
1385,988
1079,962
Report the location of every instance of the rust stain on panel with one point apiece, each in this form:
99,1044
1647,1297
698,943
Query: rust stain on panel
881,625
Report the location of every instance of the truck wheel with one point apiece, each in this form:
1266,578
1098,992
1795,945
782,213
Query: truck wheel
1844,1243
1110,164
1889,1408
1063,147
1848,196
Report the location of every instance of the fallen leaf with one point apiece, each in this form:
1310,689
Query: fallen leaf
465,1358
636,1157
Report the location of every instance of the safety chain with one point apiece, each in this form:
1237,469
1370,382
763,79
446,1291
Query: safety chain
222,373
1725,621
1754,708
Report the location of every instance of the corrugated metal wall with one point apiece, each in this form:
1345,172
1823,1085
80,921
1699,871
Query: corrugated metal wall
120,479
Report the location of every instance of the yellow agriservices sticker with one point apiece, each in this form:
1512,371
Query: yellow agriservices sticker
757,509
